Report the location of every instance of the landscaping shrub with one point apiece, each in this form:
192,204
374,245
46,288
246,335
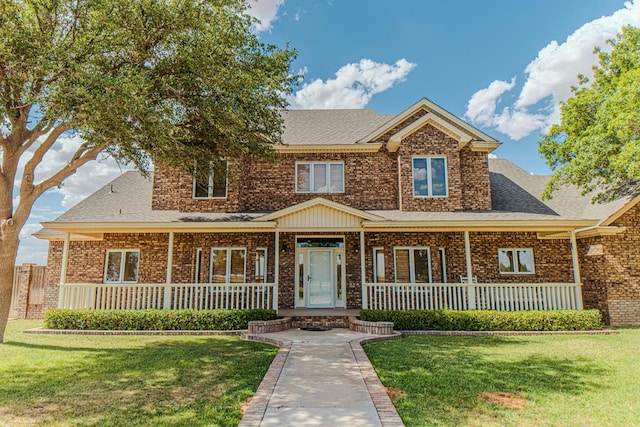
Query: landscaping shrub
154,320
487,320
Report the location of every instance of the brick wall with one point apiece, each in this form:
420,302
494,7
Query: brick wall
611,276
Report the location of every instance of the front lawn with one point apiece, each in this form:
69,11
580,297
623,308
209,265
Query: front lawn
126,380
562,380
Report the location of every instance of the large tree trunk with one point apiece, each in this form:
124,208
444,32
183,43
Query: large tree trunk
8,252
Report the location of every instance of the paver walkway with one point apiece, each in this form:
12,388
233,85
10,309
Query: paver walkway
320,379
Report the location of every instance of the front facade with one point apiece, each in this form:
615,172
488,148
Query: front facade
358,210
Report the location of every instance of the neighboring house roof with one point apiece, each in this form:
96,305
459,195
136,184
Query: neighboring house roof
347,126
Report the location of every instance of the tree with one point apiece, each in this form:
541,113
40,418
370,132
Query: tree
178,81
596,145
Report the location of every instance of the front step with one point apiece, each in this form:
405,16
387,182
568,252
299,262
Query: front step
319,321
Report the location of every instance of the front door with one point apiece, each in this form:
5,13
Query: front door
320,272
320,279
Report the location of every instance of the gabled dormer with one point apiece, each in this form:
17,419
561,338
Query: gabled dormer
442,160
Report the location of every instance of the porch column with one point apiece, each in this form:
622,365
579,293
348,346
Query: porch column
167,288
362,280
276,271
63,269
576,269
471,291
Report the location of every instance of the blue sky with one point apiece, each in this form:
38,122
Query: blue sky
502,65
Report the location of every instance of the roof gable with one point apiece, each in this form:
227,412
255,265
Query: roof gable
319,213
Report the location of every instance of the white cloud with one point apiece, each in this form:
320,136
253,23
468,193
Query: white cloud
549,78
354,85
266,11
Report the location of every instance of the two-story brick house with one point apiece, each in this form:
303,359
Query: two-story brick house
358,210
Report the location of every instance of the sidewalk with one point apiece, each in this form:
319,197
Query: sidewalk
320,378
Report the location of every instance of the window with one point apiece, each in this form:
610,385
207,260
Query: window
412,265
213,186
121,266
516,261
378,265
261,265
197,265
443,264
227,265
319,177
430,177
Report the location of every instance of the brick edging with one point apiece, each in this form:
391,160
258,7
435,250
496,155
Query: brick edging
384,406
258,405
117,332
510,333
373,328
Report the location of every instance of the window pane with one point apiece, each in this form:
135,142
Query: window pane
114,260
319,178
420,187
337,178
339,276
261,276
301,276
302,180
219,182
131,266
202,188
379,273
421,265
402,266
505,260
219,266
237,266
525,261
438,177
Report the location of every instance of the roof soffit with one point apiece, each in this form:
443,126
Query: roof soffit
462,137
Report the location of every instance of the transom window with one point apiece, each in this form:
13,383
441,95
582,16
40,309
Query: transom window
319,177
516,261
121,266
212,186
228,265
412,265
430,177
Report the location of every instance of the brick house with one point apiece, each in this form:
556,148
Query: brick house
358,210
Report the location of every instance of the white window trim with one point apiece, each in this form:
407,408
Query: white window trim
122,263
266,264
515,250
375,262
327,177
228,266
412,270
210,187
429,182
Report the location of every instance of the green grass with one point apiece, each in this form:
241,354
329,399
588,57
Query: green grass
65,380
562,380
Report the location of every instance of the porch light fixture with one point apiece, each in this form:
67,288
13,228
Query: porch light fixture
283,248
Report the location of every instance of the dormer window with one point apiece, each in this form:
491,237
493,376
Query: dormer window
430,177
319,177
212,186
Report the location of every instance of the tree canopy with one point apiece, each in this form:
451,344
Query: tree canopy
596,145
180,81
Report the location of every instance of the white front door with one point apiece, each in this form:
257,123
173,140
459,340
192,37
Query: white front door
320,283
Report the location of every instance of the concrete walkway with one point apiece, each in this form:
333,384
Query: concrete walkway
320,379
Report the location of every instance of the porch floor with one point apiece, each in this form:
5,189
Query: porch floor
318,312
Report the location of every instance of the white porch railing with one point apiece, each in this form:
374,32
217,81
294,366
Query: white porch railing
464,296
136,296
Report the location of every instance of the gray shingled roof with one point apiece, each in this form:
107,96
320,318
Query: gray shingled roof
330,126
128,199
515,190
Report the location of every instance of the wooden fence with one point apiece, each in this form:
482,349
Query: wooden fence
28,290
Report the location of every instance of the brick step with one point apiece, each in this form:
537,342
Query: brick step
319,321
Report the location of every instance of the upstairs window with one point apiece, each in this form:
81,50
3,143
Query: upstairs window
430,177
121,266
212,186
516,261
319,177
